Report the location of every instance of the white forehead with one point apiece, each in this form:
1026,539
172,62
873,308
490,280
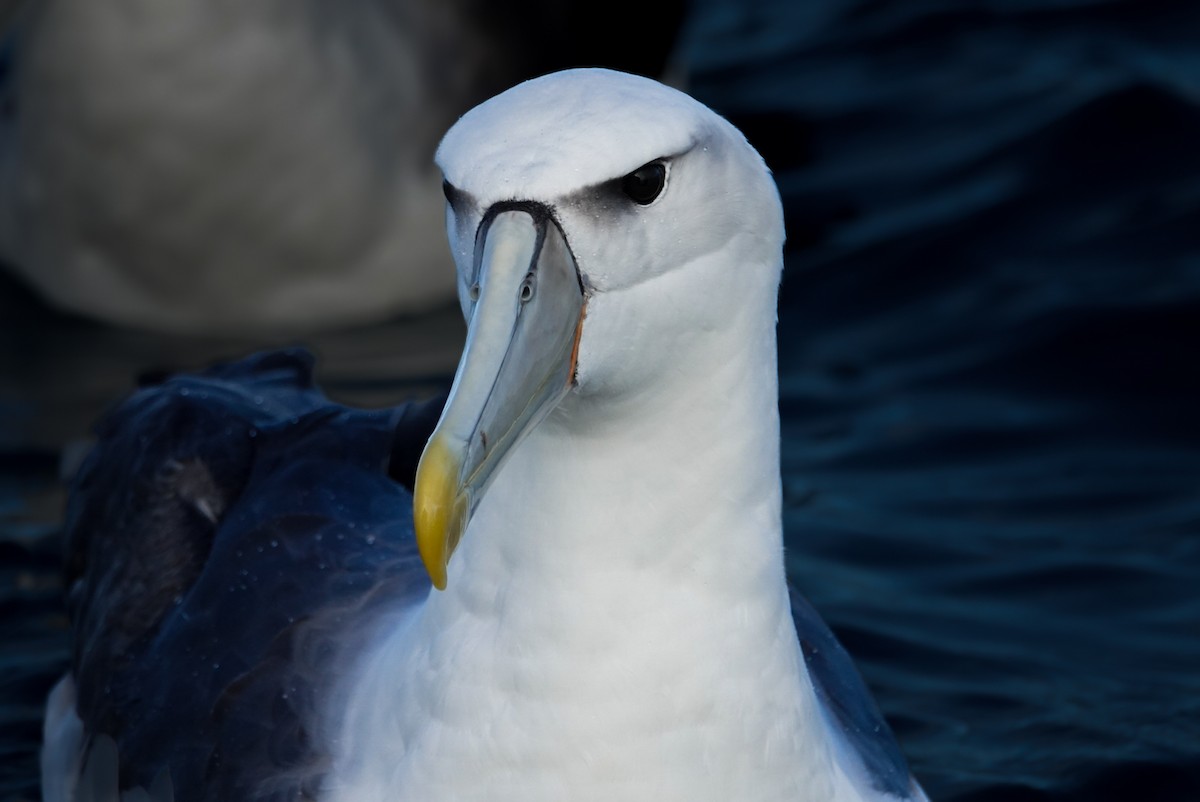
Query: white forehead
552,135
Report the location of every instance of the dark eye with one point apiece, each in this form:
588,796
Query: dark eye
645,183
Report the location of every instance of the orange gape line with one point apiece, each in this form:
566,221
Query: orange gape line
575,345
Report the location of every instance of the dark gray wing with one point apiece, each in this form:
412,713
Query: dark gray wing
858,730
232,538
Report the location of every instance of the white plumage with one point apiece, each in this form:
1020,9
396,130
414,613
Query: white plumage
229,167
616,623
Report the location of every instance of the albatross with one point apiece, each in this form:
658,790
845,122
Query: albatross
247,168
584,596
256,168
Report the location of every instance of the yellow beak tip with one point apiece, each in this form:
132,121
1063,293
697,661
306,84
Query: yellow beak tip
432,541
437,574
439,508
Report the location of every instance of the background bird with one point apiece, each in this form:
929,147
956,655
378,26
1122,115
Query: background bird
257,168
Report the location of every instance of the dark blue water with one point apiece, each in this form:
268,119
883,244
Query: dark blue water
989,329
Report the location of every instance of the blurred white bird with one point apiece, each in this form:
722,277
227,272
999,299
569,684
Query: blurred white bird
247,167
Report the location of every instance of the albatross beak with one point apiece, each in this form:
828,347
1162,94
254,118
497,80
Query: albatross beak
519,361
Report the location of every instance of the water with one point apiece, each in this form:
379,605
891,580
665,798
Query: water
989,326
988,335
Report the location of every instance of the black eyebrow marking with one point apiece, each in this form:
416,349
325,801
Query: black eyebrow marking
666,158
453,194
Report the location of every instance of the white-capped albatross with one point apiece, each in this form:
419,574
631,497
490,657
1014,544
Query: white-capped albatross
257,168
598,507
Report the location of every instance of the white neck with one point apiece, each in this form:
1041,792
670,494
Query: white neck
617,609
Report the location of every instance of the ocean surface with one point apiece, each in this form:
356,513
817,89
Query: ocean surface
990,379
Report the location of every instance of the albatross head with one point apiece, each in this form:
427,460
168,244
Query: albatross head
602,225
